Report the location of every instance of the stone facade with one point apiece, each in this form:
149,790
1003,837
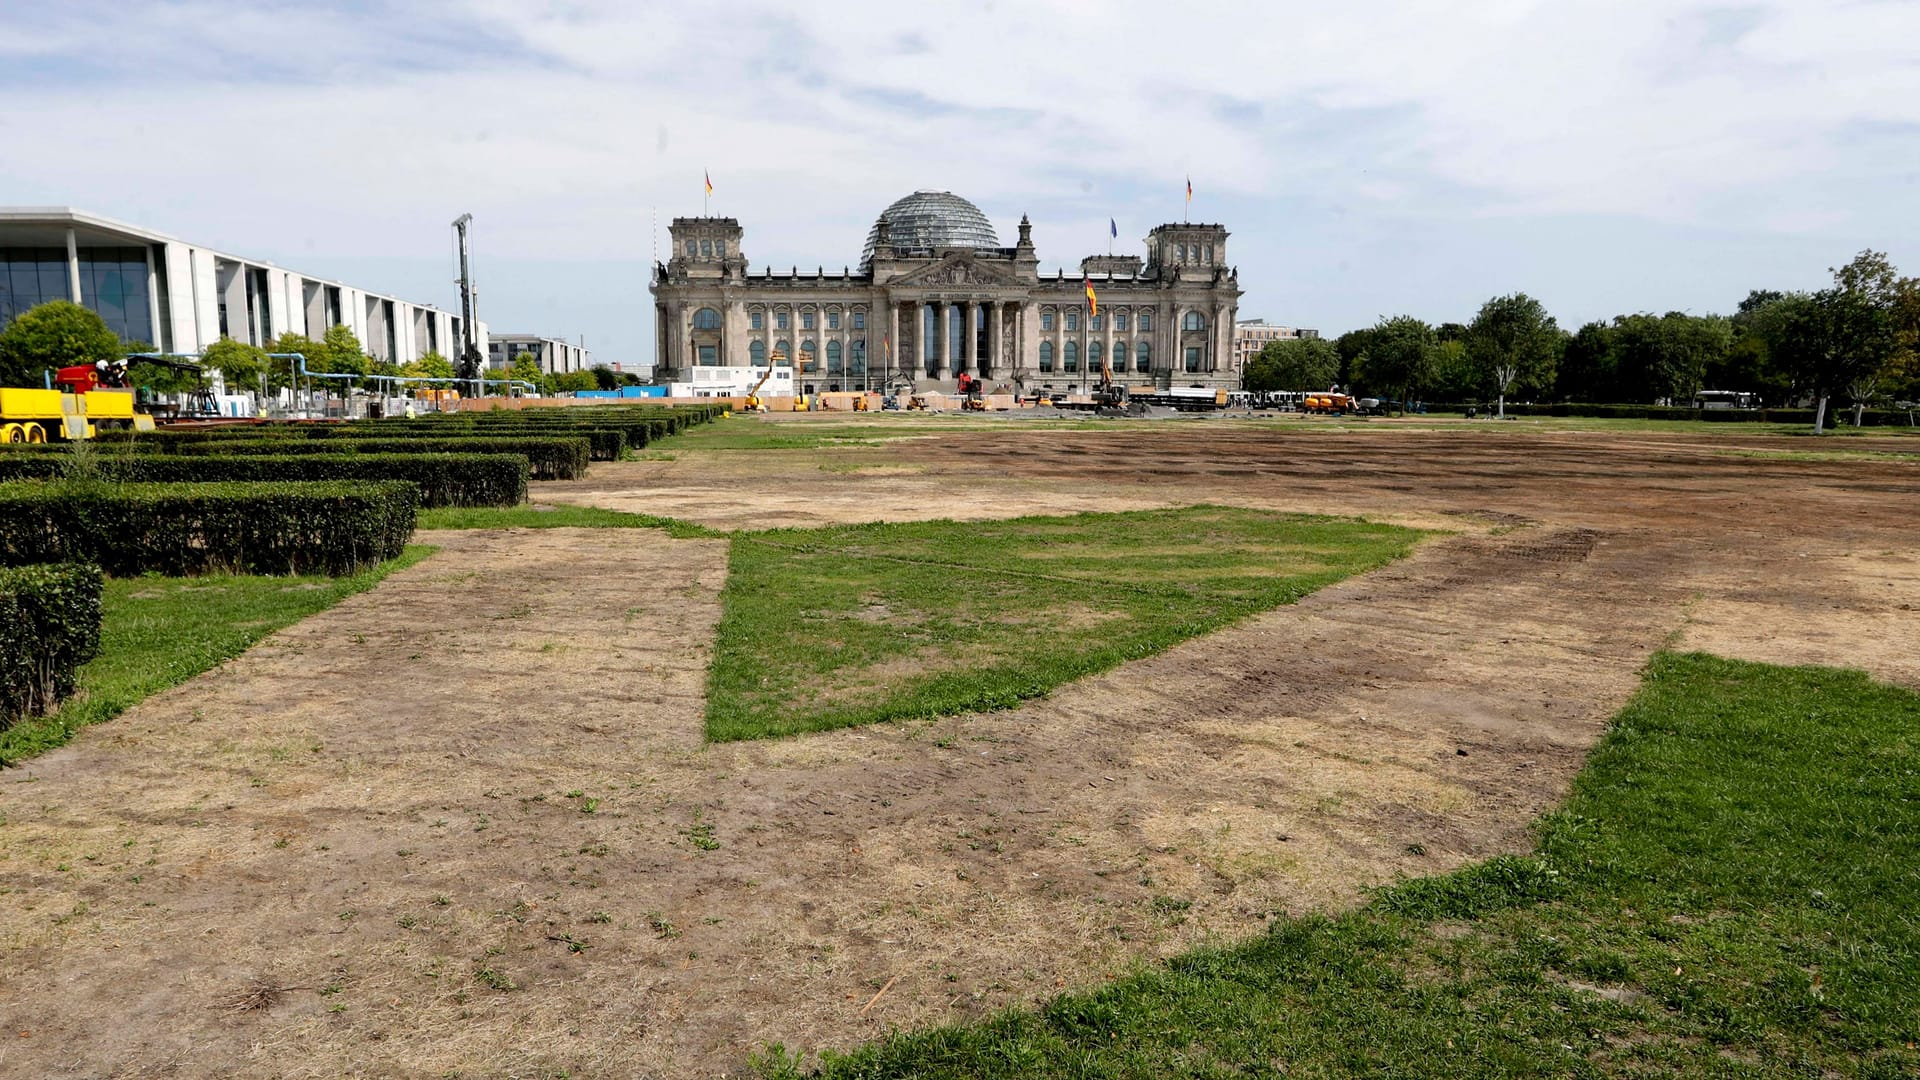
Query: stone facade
933,299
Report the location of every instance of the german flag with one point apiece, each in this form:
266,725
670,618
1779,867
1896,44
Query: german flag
709,179
1093,302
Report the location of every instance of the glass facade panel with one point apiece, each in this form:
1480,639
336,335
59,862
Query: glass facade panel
113,283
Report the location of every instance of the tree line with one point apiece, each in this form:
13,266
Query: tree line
1855,341
60,334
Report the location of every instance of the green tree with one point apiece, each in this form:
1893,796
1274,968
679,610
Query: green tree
1665,357
604,378
341,353
1352,345
1455,376
1293,364
55,334
430,366
574,381
1586,366
1399,358
241,363
527,369
1513,341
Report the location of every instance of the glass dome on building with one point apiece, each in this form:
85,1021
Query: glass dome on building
931,219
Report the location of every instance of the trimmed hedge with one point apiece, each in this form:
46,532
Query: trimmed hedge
443,479
603,444
1840,415
547,458
175,529
49,626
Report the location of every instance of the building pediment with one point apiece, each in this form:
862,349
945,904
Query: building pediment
954,269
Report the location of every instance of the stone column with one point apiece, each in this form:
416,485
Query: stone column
943,325
995,348
73,269
969,336
892,344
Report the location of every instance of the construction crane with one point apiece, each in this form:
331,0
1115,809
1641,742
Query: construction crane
467,368
753,402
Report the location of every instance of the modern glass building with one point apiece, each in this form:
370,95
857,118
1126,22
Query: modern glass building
554,355
181,297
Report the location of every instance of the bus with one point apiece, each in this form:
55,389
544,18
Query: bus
1725,399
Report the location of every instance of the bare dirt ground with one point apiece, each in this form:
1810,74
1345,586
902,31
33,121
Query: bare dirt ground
358,849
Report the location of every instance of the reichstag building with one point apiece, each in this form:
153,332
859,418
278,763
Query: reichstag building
936,294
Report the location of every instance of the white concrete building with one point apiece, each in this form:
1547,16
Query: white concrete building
182,297
1252,335
554,355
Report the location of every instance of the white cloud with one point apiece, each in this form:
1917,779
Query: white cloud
357,131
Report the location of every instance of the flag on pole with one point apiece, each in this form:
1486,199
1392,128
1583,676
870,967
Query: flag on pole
886,345
1093,302
709,178
1113,228
1189,188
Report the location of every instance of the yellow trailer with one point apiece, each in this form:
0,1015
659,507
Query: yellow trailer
38,416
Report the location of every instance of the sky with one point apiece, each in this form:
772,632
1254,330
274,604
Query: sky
1368,158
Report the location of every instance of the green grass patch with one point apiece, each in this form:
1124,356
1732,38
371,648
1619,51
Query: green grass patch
829,627
1729,891
157,632
555,517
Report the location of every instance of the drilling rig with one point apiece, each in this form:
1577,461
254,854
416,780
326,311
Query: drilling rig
467,366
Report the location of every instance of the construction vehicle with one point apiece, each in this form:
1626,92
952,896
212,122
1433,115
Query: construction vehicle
754,404
85,400
971,393
1331,403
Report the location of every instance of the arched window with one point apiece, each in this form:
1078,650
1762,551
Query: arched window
720,248
785,354
833,359
809,357
693,247
1143,359
757,353
857,355
1209,254
1193,321
706,247
1046,357
706,319
1071,355
1094,354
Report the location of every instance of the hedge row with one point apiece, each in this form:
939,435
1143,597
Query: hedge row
174,529
442,479
603,444
49,626
547,458
1836,414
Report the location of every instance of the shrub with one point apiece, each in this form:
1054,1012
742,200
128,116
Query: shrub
290,528
49,626
443,479
547,458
